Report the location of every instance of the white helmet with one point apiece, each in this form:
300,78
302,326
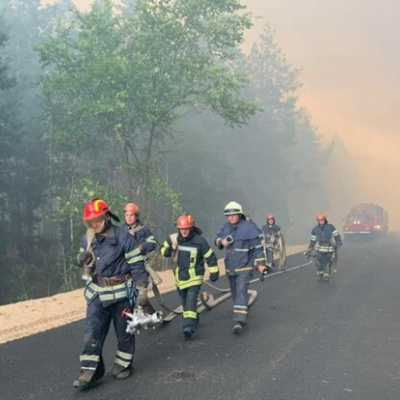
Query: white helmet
233,208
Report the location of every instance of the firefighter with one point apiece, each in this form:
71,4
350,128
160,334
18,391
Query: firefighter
241,239
118,266
326,240
190,251
272,234
146,243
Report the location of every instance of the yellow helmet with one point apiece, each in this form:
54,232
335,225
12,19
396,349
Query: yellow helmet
233,208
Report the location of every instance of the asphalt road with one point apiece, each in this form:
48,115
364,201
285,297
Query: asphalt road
305,340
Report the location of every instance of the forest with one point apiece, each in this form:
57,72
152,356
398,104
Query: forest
153,102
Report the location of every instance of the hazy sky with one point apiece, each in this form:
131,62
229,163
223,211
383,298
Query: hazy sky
349,51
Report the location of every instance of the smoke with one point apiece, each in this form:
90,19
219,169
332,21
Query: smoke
350,60
349,53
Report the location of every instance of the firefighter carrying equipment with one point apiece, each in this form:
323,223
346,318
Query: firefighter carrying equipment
245,251
146,244
325,238
242,256
191,254
143,236
116,266
274,242
116,253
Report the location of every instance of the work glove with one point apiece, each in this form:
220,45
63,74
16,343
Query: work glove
307,253
214,276
84,258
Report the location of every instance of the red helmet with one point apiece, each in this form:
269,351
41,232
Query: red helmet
185,221
270,216
321,216
132,207
94,209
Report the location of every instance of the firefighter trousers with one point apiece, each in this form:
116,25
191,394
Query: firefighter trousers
189,298
96,327
270,255
323,262
239,284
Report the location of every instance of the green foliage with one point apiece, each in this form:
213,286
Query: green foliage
162,192
136,101
85,189
127,76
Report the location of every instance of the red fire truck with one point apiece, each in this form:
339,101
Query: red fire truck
366,220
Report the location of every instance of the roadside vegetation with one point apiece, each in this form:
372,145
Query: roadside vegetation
145,101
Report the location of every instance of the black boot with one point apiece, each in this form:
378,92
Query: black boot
84,379
187,333
88,377
120,372
237,328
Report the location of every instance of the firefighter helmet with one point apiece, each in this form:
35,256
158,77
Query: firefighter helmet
320,217
185,221
269,217
233,208
132,207
94,209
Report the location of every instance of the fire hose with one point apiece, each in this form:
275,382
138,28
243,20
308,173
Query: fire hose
138,319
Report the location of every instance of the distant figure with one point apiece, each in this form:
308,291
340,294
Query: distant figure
326,240
272,239
190,251
241,239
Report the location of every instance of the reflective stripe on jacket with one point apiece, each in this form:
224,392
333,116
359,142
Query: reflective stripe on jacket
144,238
192,253
246,250
116,252
325,238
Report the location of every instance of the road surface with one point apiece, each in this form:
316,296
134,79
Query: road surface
305,340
